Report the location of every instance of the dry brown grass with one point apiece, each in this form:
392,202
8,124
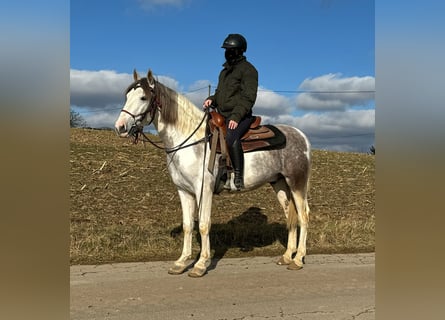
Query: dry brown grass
124,206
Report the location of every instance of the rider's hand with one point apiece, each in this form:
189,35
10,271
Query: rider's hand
232,124
207,103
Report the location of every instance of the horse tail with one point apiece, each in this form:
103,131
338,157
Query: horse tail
293,214
292,218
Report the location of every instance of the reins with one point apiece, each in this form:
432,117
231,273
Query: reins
180,146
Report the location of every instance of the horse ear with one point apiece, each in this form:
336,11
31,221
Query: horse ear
135,75
150,78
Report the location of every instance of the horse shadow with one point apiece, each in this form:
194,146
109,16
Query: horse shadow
246,231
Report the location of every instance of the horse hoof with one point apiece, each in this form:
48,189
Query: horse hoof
175,270
283,261
294,266
197,272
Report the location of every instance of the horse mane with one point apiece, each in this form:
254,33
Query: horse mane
168,100
179,111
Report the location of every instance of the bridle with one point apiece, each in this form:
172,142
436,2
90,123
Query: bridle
154,104
136,130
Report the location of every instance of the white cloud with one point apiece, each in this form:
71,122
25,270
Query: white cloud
351,130
99,95
101,120
198,92
269,103
98,89
169,82
337,123
332,92
329,124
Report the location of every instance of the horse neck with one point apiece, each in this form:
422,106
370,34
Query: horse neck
187,121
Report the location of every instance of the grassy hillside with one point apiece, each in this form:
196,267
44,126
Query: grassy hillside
124,206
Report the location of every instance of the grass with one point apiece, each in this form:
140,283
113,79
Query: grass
124,206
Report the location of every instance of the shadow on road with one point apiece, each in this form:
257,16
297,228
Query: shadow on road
247,231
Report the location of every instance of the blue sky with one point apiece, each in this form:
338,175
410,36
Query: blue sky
298,47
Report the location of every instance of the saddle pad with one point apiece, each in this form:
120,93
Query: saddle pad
276,141
261,132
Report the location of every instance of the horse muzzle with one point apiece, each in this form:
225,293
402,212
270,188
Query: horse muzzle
134,131
121,130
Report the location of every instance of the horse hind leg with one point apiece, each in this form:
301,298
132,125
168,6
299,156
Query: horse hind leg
300,198
282,191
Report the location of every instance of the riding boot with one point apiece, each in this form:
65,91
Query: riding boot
237,157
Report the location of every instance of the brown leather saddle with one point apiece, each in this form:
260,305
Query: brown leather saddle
258,137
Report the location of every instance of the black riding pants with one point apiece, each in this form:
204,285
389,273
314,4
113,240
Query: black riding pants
239,131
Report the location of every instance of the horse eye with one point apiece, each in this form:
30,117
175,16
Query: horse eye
143,98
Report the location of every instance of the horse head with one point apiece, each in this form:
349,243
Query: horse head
140,106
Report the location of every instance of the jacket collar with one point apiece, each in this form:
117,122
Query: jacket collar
230,65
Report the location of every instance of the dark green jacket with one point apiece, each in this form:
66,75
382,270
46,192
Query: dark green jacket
237,90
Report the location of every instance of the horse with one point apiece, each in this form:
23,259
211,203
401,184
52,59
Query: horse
182,130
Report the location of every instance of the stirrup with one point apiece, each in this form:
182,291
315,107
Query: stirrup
238,182
220,180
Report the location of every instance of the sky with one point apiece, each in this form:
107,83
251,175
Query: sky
315,59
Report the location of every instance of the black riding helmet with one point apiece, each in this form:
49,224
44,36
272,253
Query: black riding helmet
235,40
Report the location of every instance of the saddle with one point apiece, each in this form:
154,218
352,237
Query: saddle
258,137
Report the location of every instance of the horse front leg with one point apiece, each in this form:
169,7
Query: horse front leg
200,267
188,205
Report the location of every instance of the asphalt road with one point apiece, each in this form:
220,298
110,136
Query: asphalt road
328,287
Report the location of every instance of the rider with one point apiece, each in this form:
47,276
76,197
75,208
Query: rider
234,98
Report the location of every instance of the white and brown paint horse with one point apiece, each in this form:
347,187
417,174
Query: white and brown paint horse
181,128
